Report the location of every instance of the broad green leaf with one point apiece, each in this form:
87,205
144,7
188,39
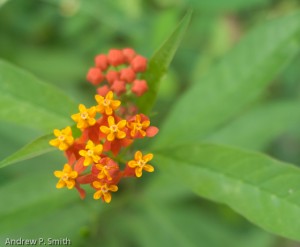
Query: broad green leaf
34,208
239,79
188,225
37,147
220,5
33,149
258,127
263,190
27,101
159,63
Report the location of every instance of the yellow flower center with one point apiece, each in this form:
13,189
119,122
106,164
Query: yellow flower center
104,189
90,152
61,138
141,163
139,126
65,177
114,128
84,115
106,102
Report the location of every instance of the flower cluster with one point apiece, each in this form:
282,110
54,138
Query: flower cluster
92,157
119,71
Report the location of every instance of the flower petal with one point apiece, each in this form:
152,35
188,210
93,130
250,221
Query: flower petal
138,171
97,194
148,168
138,155
107,197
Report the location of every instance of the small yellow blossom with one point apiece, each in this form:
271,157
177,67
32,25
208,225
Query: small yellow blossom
103,171
137,126
114,130
104,191
66,177
140,163
64,138
107,105
92,153
85,117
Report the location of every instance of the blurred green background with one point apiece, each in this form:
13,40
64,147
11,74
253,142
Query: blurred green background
57,40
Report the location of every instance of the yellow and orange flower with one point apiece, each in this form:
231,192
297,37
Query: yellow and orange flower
107,105
92,153
140,163
104,191
114,130
138,126
66,177
85,117
64,138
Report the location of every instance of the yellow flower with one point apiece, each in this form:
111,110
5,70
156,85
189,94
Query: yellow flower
64,138
107,105
114,130
103,171
104,191
140,163
85,117
137,126
92,153
66,177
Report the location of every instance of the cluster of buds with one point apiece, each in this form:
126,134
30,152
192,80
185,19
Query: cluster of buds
119,71
94,157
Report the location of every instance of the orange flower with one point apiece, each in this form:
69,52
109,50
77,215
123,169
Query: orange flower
114,130
104,191
138,127
85,117
140,163
66,177
107,105
92,153
64,138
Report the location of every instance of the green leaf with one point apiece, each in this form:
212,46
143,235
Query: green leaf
159,64
27,101
33,149
258,127
220,5
239,79
264,190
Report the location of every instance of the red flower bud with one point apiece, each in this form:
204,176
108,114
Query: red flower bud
101,62
112,76
127,75
94,76
129,54
139,87
119,87
139,64
103,90
116,57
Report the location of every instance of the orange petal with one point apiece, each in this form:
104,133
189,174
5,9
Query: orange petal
60,184
58,174
121,134
107,197
113,188
138,155
138,172
111,121
97,184
148,168
110,137
121,124
132,164
97,194
148,157
105,129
